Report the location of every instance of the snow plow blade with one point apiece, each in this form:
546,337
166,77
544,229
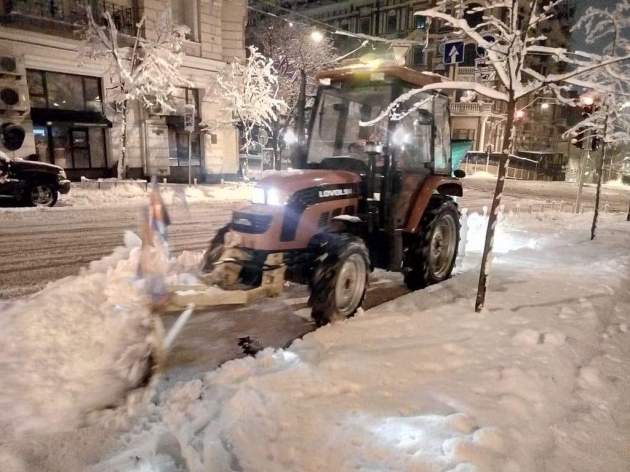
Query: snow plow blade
208,296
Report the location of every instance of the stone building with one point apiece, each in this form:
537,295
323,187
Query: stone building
472,117
62,103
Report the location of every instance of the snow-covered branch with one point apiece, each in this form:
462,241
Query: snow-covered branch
249,94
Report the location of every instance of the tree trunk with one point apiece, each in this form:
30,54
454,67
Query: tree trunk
486,259
122,162
580,183
599,189
600,174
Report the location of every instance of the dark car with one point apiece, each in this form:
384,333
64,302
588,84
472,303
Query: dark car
31,183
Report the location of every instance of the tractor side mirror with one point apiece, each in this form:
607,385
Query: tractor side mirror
460,174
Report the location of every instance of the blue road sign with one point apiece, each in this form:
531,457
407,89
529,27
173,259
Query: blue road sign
454,52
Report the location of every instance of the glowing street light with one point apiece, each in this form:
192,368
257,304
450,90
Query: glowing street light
290,137
519,114
544,106
317,36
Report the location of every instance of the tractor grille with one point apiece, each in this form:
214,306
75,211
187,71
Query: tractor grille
251,223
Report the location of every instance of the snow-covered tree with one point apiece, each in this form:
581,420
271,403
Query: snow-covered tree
298,53
511,34
145,69
608,123
248,92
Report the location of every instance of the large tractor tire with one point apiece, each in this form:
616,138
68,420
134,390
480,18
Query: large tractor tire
431,254
340,278
215,249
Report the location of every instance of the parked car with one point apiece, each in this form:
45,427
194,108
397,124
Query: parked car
31,183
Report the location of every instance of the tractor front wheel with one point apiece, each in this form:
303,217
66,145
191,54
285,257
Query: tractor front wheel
431,256
340,278
215,249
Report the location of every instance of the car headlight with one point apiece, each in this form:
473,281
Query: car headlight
258,195
62,175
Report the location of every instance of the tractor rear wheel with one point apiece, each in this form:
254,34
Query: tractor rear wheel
431,255
340,279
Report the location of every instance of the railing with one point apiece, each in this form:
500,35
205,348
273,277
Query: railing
465,71
40,13
471,108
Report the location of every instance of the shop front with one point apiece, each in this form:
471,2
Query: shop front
69,126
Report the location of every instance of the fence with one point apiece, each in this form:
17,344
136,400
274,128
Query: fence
518,168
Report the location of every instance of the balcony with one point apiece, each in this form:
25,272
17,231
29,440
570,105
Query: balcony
475,108
55,16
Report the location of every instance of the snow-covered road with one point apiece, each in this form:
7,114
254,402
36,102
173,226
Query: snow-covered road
41,245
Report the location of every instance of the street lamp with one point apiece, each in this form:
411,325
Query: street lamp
544,106
317,36
519,114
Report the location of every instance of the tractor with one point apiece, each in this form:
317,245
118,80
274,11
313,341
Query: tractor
372,187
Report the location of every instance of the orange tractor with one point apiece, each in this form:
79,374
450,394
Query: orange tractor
372,188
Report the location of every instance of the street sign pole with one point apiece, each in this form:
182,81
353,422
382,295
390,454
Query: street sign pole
189,161
189,126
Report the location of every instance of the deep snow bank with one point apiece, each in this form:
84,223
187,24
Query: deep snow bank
538,381
74,346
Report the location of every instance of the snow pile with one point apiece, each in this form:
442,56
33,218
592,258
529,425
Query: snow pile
134,194
74,346
617,184
538,381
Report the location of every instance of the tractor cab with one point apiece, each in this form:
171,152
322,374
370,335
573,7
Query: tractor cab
394,148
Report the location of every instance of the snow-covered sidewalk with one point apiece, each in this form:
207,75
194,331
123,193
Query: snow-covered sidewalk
538,381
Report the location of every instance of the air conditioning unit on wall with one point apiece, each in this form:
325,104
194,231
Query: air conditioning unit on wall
11,65
13,96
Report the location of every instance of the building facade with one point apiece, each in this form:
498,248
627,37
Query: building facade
62,102
473,117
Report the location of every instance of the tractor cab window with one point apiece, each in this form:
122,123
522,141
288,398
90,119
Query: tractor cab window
411,135
442,137
337,136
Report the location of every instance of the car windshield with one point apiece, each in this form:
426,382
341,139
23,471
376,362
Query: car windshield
336,132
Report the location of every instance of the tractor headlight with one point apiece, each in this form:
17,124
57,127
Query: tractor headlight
270,196
258,195
274,198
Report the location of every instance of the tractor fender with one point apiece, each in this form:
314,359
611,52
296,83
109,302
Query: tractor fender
433,184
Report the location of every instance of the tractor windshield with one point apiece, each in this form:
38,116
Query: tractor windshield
336,133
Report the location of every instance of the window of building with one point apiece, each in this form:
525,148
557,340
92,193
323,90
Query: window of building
185,13
473,17
178,136
470,54
58,100
58,91
468,134
392,22
418,56
70,147
364,26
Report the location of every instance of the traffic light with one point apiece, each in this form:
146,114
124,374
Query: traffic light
12,136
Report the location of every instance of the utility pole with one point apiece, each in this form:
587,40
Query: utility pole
189,126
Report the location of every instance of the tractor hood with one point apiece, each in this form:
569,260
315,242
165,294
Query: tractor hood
291,181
